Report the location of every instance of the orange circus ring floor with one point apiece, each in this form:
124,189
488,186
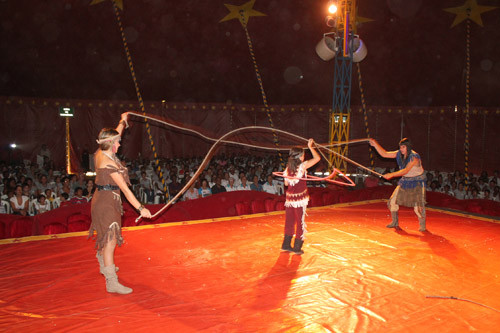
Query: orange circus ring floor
228,275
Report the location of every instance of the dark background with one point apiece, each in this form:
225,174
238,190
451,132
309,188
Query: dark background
181,53
58,53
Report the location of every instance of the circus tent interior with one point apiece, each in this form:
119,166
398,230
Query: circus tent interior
207,81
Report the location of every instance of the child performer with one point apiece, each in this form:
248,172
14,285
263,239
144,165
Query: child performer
297,197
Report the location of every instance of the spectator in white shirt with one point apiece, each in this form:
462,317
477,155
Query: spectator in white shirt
42,205
191,193
147,186
495,196
225,181
19,202
231,187
42,185
233,173
244,186
271,186
460,192
447,190
474,194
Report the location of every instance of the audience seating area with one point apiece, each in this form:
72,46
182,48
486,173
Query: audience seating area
74,218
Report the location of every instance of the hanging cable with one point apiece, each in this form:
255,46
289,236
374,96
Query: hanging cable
261,86
139,97
365,113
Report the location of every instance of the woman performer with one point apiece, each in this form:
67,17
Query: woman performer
297,197
410,191
106,209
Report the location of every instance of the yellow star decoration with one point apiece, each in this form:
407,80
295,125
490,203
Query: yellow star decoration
245,9
119,3
360,20
469,10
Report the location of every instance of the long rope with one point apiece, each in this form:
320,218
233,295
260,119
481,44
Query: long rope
200,169
348,142
261,146
222,139
463,299
261,86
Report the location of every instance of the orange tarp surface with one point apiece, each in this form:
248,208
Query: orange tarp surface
230,276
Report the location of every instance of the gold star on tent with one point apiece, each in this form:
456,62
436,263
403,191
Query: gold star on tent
469,10
361,19
119,3
246,10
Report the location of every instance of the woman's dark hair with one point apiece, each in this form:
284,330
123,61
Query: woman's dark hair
405,142
294,159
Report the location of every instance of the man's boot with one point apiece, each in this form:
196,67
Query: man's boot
395,220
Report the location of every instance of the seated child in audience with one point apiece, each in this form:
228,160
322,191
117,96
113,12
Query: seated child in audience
51,196
64,199
42,205
78,198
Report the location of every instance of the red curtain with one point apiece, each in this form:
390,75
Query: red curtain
437,133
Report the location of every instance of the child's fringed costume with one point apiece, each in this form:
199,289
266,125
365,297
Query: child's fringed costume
296,202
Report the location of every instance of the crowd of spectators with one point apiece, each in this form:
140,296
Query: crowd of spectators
456,184
460,186
222,174
32,188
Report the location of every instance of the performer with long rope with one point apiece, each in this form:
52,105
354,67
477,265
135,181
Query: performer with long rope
297,197
410,191
224,139
106,208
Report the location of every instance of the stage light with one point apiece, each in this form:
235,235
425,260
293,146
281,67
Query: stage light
332,7
359,50
326,48
13,145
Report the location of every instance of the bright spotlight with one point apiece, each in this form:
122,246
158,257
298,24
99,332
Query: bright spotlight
13,145
332,8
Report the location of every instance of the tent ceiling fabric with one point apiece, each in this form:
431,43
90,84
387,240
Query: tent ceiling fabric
183,53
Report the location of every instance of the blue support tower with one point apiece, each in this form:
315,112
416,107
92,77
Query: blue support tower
340,117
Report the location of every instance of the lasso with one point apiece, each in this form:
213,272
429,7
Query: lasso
224,139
